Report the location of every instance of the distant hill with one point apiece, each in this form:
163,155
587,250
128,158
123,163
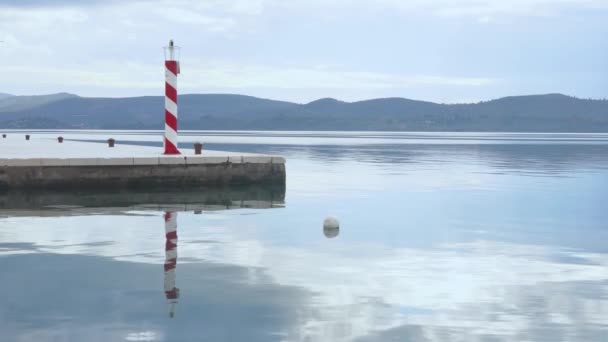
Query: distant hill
533,113
11,103
4,96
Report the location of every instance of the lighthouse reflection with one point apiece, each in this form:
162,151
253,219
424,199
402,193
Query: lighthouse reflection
171,290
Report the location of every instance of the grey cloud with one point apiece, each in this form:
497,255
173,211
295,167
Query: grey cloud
55,3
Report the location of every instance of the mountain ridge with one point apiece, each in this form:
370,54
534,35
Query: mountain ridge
10,102
544,112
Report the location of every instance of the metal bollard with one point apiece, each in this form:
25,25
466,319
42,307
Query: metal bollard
27,137
60,139
198,148
111,142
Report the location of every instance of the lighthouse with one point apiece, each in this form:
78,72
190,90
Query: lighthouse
171,72
171,291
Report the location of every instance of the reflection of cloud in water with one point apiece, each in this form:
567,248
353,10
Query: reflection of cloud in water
469,290
455,291
142,336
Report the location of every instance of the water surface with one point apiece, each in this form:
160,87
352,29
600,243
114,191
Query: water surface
444,237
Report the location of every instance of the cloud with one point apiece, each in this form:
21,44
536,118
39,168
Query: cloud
51,3
86,3
204,76
452,8
239,45
440,7
185,16
238,75
19,18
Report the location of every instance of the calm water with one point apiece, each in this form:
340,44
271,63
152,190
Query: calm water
444,237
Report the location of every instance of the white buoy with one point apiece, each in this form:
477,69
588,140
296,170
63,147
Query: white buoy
331,223
331,227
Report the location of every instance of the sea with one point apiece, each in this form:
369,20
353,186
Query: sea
442,237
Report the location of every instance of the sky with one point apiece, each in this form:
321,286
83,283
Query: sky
300,50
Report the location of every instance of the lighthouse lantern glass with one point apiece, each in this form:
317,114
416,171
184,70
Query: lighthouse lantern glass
172,53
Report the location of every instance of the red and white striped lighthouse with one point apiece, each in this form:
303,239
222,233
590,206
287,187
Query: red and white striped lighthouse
171,291
171,72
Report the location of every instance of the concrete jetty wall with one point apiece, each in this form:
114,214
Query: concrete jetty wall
119,173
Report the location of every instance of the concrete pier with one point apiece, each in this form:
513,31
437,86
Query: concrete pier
43,163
